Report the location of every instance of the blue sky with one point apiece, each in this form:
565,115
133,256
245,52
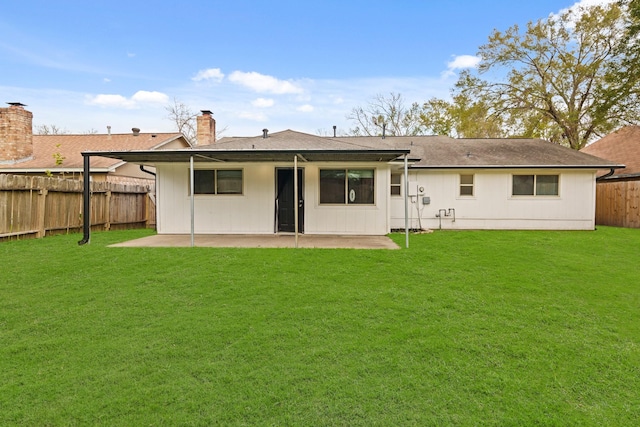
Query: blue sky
276,64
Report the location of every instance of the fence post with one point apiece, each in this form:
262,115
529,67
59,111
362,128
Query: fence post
107,210
42,208
147,202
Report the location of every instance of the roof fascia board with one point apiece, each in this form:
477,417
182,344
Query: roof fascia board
170,140
53,170
517,167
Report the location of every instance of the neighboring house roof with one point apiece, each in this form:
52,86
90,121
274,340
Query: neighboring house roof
621,146
69,148
424,151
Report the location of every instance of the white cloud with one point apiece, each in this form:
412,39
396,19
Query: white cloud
306,108
332,100
106,80
109,100
262,102
588,3
145,97
255,116
461,62
131,55
214,74
262,83
119,101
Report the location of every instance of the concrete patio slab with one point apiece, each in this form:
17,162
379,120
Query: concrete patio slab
262,241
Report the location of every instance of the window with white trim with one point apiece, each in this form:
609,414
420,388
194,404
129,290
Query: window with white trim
535,185
466,185
396,184
347,186
217,181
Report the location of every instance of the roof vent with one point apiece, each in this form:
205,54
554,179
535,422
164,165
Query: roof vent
136,131
265,133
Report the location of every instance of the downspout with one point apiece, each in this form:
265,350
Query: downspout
86,202
147,171
603,177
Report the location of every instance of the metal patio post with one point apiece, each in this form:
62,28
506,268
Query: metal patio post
193,191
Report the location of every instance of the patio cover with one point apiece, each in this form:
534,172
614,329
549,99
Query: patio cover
193,155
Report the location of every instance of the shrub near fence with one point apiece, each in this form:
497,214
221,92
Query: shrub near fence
32,206
617,203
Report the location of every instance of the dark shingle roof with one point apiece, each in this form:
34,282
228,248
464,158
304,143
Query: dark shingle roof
425,151
292,140
502,153
436,151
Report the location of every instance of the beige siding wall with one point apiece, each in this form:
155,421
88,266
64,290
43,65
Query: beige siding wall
493,207
347,219
254,210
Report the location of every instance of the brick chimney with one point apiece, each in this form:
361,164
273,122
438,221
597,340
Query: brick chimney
16,133
206,128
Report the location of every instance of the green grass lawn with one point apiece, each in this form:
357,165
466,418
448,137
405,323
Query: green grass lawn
462,328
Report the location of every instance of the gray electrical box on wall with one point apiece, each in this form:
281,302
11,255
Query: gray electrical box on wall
426,200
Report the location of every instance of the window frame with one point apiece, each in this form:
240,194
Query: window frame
393,185
462,185
347,187
216,182
535,186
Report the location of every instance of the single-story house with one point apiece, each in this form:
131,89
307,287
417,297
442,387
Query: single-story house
23,153
368,185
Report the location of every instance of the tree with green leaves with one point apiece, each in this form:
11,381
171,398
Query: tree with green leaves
563,78
388,113
460,118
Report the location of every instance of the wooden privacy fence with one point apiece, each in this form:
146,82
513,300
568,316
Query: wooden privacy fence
33,206
617,203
